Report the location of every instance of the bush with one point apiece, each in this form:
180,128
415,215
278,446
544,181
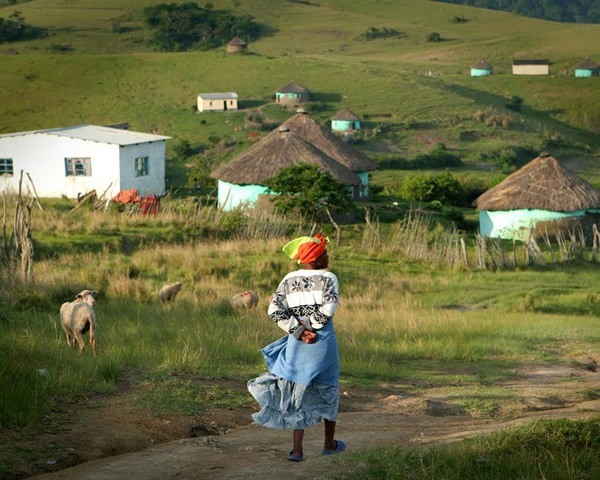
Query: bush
439,157
515,103
510,159
434,37
444,188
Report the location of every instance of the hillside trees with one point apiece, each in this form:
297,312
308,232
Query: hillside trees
188,26
14,29
583,11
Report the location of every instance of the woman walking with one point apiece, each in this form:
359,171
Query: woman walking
301,387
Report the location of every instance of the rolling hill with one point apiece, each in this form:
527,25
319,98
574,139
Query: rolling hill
97,66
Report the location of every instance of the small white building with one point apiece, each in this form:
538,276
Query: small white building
531,67
75,160
217,102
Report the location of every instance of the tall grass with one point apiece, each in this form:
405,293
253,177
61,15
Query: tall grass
552,449
390,320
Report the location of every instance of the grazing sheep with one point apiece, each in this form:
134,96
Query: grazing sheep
247,299
169,292
79,317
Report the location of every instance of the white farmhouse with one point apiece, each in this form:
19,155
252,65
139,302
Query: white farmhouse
74,160
217,102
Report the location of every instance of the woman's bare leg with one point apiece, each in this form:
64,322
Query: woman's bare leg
329,443
298,437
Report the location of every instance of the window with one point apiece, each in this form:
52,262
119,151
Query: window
6,166
78,167
141,166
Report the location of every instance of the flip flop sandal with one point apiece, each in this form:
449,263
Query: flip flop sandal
340,446
292,457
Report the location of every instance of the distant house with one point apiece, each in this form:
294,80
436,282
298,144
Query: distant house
75,160
217,102
587,68
236,45
345,121
292,94
481,69
531,67
540,197
241,182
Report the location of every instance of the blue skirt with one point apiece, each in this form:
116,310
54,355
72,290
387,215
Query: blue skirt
301,387
289,405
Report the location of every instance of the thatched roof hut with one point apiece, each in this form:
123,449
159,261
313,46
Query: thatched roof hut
279,149
540,194
236,45
345,114
588,64
312,131
482,65
292,94
481,69
542,184
587,68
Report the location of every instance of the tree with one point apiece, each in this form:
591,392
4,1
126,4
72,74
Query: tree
434,37
515,103
309,192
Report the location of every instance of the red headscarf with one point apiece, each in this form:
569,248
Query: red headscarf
306,249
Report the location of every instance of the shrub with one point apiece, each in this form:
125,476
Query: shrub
444,188
509,159
515,103
434,37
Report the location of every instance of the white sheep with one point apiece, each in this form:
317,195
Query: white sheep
79,317
169,292
247,299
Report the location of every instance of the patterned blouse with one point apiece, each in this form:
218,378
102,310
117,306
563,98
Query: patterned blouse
304,300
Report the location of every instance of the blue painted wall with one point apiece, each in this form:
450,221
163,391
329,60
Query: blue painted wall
345,125
232,196
518,223
477,72
586,72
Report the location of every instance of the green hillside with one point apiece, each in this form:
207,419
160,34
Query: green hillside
97,66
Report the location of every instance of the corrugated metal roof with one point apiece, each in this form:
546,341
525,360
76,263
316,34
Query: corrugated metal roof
540,61
218,96
97,133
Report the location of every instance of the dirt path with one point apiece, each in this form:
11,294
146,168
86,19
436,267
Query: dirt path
369,418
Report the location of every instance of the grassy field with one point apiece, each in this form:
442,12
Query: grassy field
418,324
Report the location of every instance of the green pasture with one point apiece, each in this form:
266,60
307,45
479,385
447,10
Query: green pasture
412,93
413,325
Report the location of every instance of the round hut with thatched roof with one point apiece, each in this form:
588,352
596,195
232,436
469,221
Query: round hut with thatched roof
321,137
292,94
540,198
241,181
345,121
587,68
481,69
236,45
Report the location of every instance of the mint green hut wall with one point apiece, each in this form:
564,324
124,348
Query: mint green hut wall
478,72
363,191
518,224
232,196
481,69
345,125
587,72
587,68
